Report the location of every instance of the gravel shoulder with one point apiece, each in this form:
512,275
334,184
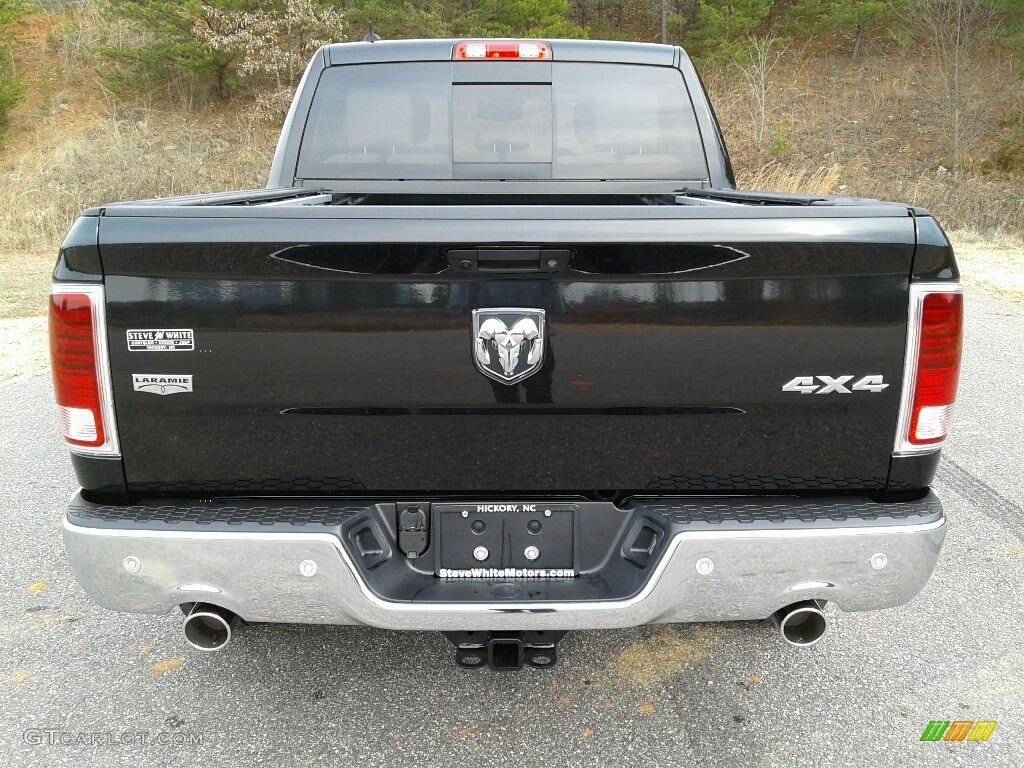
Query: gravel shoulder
24,283
993,264
23,349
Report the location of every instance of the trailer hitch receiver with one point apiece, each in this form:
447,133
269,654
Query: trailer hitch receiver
505,651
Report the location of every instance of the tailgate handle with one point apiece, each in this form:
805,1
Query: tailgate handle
499,260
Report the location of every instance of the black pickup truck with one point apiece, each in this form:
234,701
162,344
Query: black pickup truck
501,351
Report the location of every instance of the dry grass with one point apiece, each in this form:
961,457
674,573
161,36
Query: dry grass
993,205
876,123
128,154
780,177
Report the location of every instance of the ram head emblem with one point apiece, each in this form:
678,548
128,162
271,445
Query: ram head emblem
508,343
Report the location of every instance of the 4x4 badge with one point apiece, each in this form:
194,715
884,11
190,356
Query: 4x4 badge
508,342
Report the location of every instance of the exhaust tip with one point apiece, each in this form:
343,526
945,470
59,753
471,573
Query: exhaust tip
209,627
801,624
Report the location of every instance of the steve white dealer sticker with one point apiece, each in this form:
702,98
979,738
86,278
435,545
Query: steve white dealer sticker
161,340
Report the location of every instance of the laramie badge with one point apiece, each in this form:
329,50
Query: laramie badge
508,342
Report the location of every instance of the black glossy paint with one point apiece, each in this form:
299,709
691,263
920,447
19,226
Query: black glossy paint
708,319
101,479
909,474
79,259
933,258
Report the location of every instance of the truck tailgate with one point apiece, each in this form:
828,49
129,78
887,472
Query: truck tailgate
332,348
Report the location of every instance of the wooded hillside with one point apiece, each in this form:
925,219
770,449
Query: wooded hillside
917,100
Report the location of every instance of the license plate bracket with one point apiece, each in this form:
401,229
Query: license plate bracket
518,536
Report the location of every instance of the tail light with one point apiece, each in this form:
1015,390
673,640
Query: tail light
81,373
934,343
505,49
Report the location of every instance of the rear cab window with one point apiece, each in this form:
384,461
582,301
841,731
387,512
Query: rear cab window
592,121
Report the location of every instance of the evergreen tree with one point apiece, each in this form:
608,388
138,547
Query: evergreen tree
808,18
523,18
461,18
395,19
168,47
723,26
856,15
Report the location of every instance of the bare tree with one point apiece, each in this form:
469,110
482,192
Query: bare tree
755,63
955,29
273,44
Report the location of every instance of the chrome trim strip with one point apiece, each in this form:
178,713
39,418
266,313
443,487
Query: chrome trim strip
339,595
97,299
918,291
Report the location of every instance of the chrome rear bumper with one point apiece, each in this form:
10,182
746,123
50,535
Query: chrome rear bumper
730,571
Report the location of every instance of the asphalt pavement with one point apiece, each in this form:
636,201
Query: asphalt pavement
81,686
